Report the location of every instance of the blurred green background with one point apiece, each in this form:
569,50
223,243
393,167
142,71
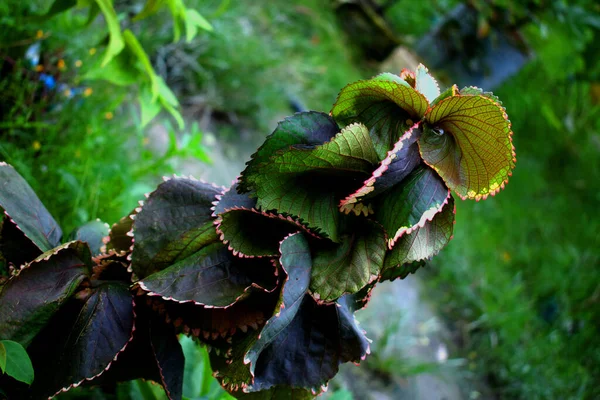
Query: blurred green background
519,285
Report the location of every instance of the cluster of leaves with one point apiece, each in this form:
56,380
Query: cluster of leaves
125,62
266,273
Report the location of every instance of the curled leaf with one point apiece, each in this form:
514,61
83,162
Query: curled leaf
411,203
399,162
308,128
387,106
468,141
420,245
307,182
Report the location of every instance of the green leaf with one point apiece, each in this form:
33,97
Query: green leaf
2,357
17,363
399,162
115,43
212,277
388,107
411,203
349,266
426,84
451,91
83,338
120,71
20,202
307,128
92,233
306,182
468,141
138,51
31,298
149,105
193,21
421,244
173,224
237,219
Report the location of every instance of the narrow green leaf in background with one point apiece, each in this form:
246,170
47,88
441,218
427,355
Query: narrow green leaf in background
115,43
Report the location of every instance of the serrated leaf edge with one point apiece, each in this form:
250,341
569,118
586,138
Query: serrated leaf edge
478,197
73,385
350,202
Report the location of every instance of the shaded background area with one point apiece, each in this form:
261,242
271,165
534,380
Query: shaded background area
511,305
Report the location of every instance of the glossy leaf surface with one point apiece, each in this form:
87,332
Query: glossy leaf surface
173,224
213,277
31,298
83,339
411,203
23,206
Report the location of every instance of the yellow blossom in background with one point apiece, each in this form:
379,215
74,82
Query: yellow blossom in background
39,34
39,68
108,115
67,93
61,64
92,51
36,145
78,63
88,92
506,256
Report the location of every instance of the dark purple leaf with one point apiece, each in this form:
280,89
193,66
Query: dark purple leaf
121,235
212,277
173,224
31,298
399,162
83,339
20,202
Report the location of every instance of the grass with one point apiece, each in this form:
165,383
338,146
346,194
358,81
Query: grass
520,279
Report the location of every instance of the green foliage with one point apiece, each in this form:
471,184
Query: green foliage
15,362
276,308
